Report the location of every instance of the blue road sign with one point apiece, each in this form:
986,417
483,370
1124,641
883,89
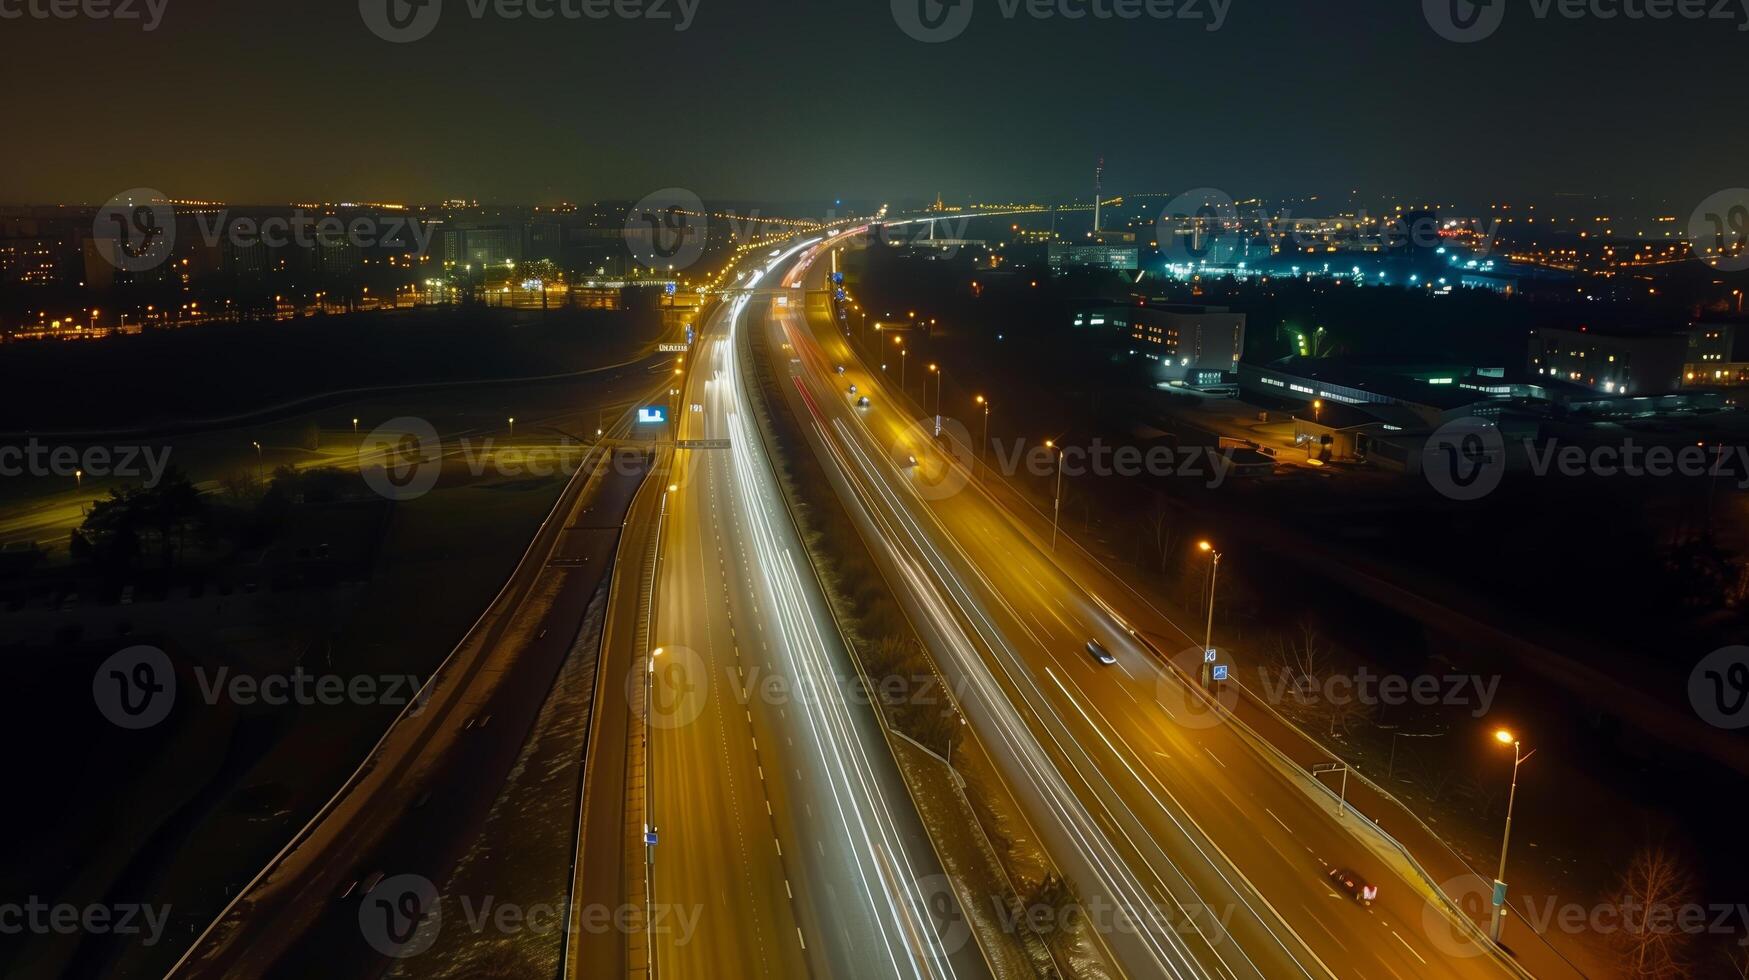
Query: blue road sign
1220,672
650,838
652,414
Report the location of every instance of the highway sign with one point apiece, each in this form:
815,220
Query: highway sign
1208,656
676,348
1220,672
654,413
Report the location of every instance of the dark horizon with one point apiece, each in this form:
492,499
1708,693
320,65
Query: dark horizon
1275,102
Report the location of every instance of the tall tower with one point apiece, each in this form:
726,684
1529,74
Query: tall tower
1098,187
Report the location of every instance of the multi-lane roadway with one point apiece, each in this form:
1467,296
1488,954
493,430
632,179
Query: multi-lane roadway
1212,857
782,823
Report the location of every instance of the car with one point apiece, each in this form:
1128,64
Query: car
853,389
1100,653
1353,885
840,369
862,402
910,461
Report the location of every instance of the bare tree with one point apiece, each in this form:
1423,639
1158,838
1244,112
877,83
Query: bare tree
1302,655
1165,536
1345,714
1653,891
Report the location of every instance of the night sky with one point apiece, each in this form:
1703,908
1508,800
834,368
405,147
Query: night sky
297,100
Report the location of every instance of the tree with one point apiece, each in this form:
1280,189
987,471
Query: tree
1302,656
118,528
1654,889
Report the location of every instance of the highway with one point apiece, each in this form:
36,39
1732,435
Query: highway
420,797
1215,855
783,824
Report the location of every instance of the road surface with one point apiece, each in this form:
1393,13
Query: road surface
1153,804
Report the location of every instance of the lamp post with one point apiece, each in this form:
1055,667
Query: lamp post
1057,501
904,359
258,462
986,440
940,377
1519,757
1208,634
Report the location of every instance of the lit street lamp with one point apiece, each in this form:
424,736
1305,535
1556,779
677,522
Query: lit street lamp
258,462
1208,634
940,378
1057,501
1519,757
986,440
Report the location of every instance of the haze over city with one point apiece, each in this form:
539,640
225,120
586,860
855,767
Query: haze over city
469,506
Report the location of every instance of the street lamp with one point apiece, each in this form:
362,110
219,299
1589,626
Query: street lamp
1519,757
1208,634
1057,501
940,378
986,440
512,426
258,463
903,360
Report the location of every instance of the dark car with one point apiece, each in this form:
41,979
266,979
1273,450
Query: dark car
1356,887
1100,653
